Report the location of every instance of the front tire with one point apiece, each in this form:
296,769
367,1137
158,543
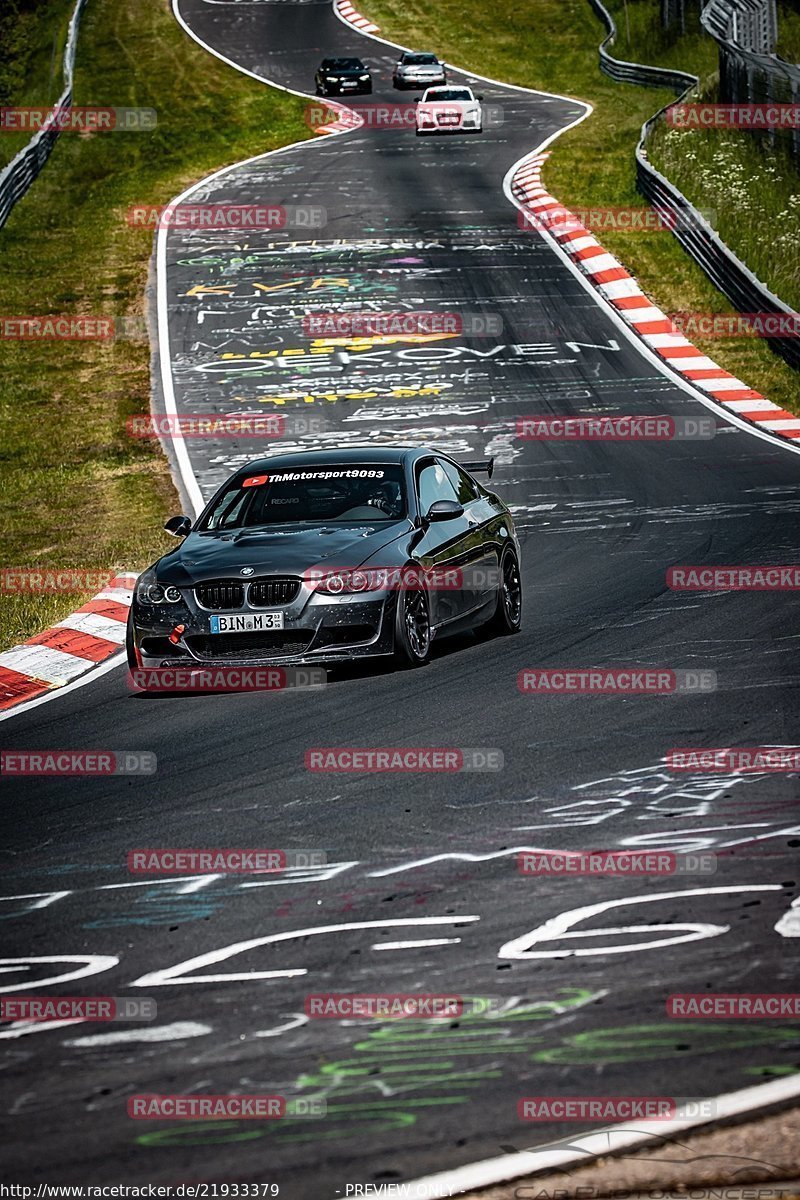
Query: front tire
412,628
130,648
507,617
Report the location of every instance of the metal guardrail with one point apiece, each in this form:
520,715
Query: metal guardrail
727,272
626,72
745,290
17,177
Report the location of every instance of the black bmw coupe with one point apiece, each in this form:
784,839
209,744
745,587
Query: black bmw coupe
330,555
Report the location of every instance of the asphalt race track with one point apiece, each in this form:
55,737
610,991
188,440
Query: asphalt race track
421,891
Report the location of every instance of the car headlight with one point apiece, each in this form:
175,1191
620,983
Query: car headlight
345,583
150,591
364,78
333,79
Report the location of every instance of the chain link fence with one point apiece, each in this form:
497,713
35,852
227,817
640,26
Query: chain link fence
749,73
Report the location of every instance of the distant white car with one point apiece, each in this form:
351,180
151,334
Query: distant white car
449,110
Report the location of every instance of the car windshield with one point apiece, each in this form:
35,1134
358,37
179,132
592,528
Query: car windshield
448,94
421,60
367,492
344,64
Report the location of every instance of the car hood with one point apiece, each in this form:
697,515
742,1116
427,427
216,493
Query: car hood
277,550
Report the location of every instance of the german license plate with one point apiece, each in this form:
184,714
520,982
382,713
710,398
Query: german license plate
247,622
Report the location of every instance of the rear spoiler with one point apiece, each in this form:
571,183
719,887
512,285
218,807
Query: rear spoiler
481,464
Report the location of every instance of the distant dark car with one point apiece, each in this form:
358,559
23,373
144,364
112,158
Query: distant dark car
415,70
327,556
342,77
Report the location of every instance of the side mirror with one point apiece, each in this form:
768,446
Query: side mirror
478,96
178,526
416,99
444,510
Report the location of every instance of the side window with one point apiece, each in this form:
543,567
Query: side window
433,485
463,486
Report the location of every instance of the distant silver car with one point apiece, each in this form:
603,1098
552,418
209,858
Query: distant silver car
415,70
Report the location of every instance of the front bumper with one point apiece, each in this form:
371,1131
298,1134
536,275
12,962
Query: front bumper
448,129
362,87
410,80
317,629
466,124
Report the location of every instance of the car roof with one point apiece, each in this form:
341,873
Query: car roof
354,454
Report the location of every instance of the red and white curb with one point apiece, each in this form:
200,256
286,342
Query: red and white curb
72,648
346,120
345,10
652,325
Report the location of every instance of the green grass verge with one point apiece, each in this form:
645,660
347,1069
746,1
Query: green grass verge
552,45
752,189
789,31
33,34
78,492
